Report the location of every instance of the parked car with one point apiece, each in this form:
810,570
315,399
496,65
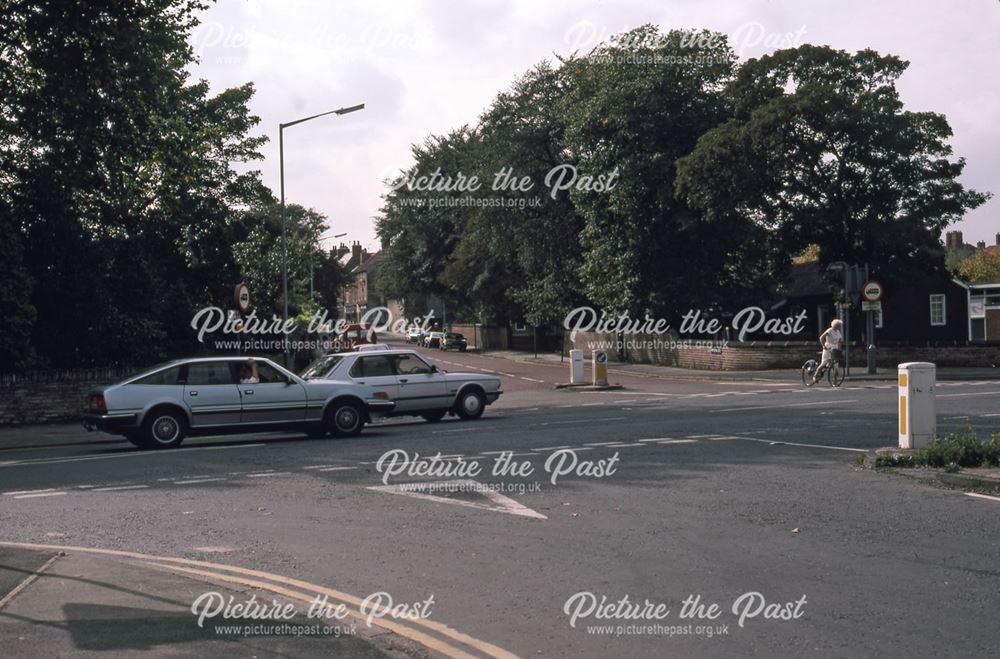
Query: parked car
415,335
418,387
454,341
433,339
213,395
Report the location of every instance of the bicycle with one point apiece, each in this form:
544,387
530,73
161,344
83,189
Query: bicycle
834,373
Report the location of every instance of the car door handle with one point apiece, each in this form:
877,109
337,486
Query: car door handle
403,380
248,391
192,393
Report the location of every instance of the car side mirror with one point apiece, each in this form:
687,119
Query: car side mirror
434,368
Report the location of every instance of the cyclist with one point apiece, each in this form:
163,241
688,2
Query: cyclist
831,340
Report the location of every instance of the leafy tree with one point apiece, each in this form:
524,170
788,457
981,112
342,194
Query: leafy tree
820,150
633,107
983,266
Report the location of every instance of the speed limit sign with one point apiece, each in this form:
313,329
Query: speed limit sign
872,291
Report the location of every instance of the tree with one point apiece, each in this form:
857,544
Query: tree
820,150
119,174
633,107
983,266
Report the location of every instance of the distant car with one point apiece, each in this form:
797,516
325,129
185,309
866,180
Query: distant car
418,387
433,339
415,335
370,347
454,341
159,407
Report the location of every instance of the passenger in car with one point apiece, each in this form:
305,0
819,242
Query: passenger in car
248,373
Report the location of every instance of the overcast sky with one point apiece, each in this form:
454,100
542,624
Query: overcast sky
426,66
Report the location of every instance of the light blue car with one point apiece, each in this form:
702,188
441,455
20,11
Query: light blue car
215,395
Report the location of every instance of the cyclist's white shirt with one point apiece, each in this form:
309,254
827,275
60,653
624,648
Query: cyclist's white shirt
833,339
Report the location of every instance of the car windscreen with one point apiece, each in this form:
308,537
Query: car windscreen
321,367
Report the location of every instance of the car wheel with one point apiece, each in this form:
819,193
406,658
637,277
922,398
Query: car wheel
471,405
162,429
345,419
434,416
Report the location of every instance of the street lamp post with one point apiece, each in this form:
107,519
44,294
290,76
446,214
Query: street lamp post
284,227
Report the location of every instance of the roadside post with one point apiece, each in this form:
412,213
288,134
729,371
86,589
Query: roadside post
871,304
600,368
917,417
576,367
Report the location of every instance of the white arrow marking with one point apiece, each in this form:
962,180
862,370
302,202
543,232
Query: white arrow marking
500,503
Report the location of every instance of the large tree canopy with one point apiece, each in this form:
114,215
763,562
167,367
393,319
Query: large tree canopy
119,201
821,151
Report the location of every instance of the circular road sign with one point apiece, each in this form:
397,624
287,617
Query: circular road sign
243,297
601,357
872,291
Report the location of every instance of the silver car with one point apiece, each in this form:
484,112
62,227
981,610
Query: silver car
208,396
418,387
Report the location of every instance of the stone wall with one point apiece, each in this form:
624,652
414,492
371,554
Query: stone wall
483,338
47,397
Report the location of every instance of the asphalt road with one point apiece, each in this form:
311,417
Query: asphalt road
683,488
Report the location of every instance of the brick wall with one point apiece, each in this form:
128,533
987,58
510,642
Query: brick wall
761,355
51,396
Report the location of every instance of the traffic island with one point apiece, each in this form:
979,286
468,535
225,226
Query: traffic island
586,386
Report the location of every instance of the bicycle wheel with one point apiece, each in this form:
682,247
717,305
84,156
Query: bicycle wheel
808,370
835,375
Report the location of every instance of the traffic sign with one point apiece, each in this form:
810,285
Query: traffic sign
243,297
872,291
868,305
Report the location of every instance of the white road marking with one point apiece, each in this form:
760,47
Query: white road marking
337,468
677,441
778,442
626,445
16,492
974,393
778,407
521,377
130,454
118,488
550,448
317,466
268,473
500,503
600,443
195,481
981,496
40,494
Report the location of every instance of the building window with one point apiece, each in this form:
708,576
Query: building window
937,310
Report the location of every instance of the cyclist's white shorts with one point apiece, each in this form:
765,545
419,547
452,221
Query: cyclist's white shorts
827,356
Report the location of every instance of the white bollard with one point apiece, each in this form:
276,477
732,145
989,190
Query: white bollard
576,367
917,417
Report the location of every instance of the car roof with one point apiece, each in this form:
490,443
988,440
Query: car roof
376,353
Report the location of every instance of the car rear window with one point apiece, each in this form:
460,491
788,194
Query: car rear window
372,367
167,376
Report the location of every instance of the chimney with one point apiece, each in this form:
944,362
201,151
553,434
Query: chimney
981,244
356,252
953,240
343,249
998,239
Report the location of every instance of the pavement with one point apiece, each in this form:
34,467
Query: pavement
56,603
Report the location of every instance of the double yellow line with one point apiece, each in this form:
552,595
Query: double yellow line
427,633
